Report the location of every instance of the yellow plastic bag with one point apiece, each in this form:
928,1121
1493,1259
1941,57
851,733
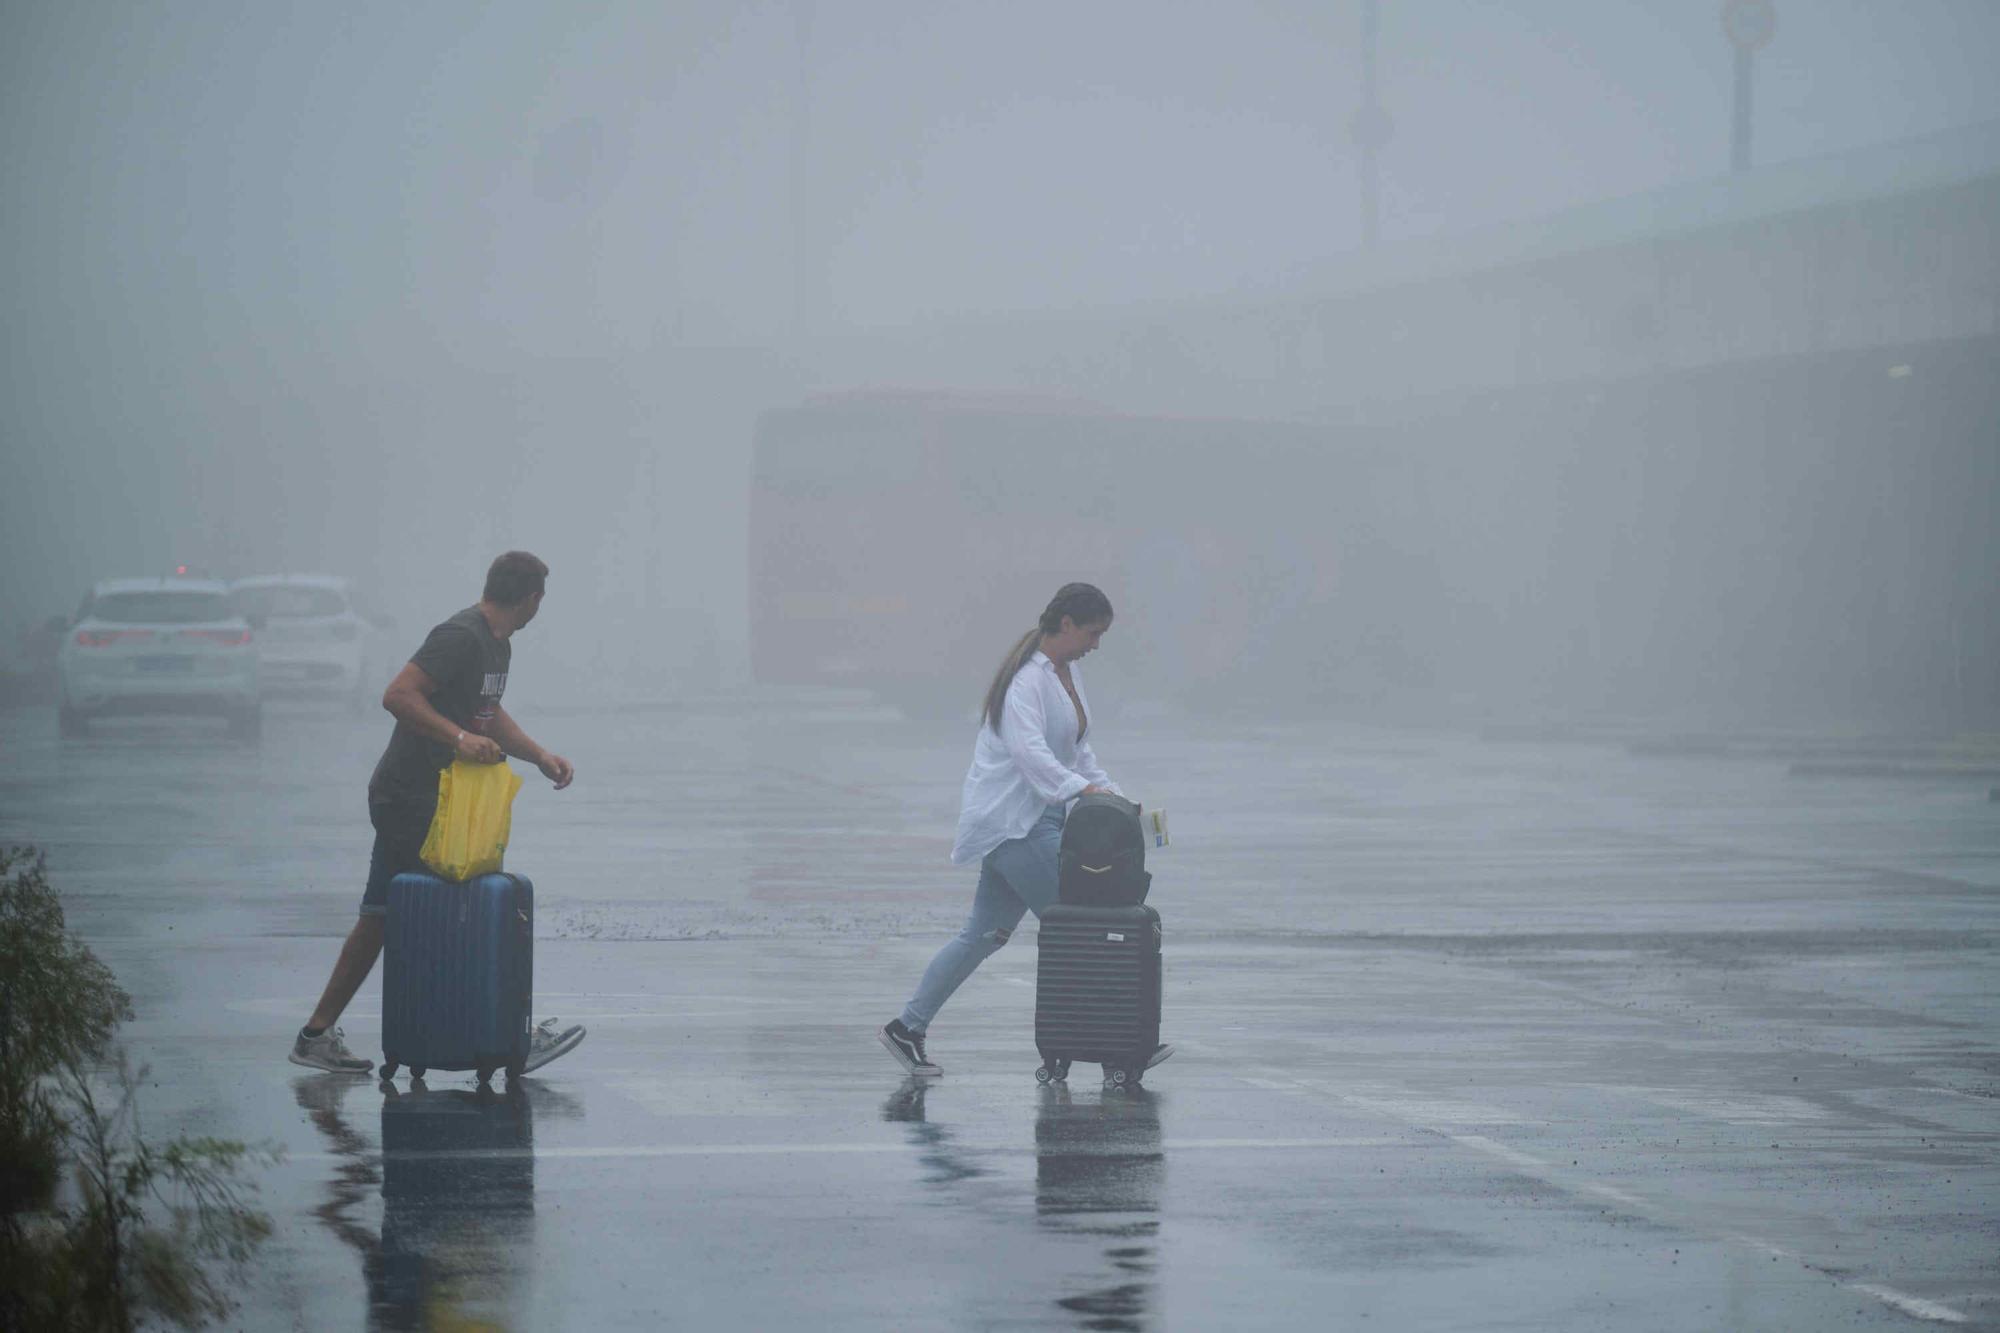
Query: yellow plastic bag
475,812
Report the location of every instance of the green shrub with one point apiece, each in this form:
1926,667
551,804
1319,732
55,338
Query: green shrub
134,1235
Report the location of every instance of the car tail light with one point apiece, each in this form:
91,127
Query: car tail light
98,638
232,637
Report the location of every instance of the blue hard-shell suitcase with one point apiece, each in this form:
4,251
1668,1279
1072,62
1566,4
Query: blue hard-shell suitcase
458,974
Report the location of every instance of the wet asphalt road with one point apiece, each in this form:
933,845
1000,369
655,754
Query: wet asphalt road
1471,1035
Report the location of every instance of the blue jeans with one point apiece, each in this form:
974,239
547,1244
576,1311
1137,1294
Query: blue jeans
1016,876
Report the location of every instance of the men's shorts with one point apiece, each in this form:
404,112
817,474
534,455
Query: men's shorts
399,837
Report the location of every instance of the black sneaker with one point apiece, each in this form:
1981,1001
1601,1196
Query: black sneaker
908,1048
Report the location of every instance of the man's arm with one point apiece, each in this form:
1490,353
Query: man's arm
408,700
522,746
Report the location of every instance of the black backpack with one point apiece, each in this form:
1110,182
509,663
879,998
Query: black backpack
1103,858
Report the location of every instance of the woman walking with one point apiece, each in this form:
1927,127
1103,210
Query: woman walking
1031,759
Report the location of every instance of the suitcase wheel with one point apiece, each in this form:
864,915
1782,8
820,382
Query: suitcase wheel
388,1070
516,1068
1045,1075
1116,1078
485,1073
417,1071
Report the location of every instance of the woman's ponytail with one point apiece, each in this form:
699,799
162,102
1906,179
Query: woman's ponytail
1082,603
1010,667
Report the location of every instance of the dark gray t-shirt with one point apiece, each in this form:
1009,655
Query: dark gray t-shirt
470,668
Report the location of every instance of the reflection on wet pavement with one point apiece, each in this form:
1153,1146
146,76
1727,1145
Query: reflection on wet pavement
356,1175
942,1165
1099,1170
458,1202
456,1172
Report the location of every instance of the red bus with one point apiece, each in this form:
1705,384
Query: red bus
899,541
1797,540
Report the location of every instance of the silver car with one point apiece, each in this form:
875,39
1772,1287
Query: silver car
310,639
160,645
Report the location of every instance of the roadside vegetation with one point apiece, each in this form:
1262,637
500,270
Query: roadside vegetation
100,1228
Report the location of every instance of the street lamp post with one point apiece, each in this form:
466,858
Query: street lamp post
1370,128
1749,25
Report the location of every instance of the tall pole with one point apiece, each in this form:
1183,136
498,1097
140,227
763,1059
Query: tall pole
1749,25
809,249
1370,128
1739,134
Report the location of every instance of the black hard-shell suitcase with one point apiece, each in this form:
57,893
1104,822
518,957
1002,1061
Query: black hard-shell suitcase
1097,990
458,974
1102,860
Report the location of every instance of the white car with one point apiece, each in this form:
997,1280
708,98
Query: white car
309,638
161,645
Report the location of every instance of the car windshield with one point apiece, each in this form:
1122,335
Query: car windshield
164,607
280,601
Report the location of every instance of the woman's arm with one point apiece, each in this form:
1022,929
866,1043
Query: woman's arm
1086,764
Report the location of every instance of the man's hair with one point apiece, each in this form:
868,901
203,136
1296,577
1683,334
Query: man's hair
515,577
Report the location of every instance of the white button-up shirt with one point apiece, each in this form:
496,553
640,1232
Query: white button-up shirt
1035,761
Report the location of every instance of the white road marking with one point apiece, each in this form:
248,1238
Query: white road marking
1436,1111
1759,1244
1624,1198
1512,1156
289,1007
1423,1112
616,1153
630,995
1734,1108
1915,1306
1527,1163
1206,1144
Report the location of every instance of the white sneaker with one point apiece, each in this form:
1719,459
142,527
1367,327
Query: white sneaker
328,1051
545,1043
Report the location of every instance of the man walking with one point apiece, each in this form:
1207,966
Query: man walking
446,702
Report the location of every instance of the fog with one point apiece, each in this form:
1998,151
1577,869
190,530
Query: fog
979,299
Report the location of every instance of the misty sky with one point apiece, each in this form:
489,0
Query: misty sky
305,229
364,181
